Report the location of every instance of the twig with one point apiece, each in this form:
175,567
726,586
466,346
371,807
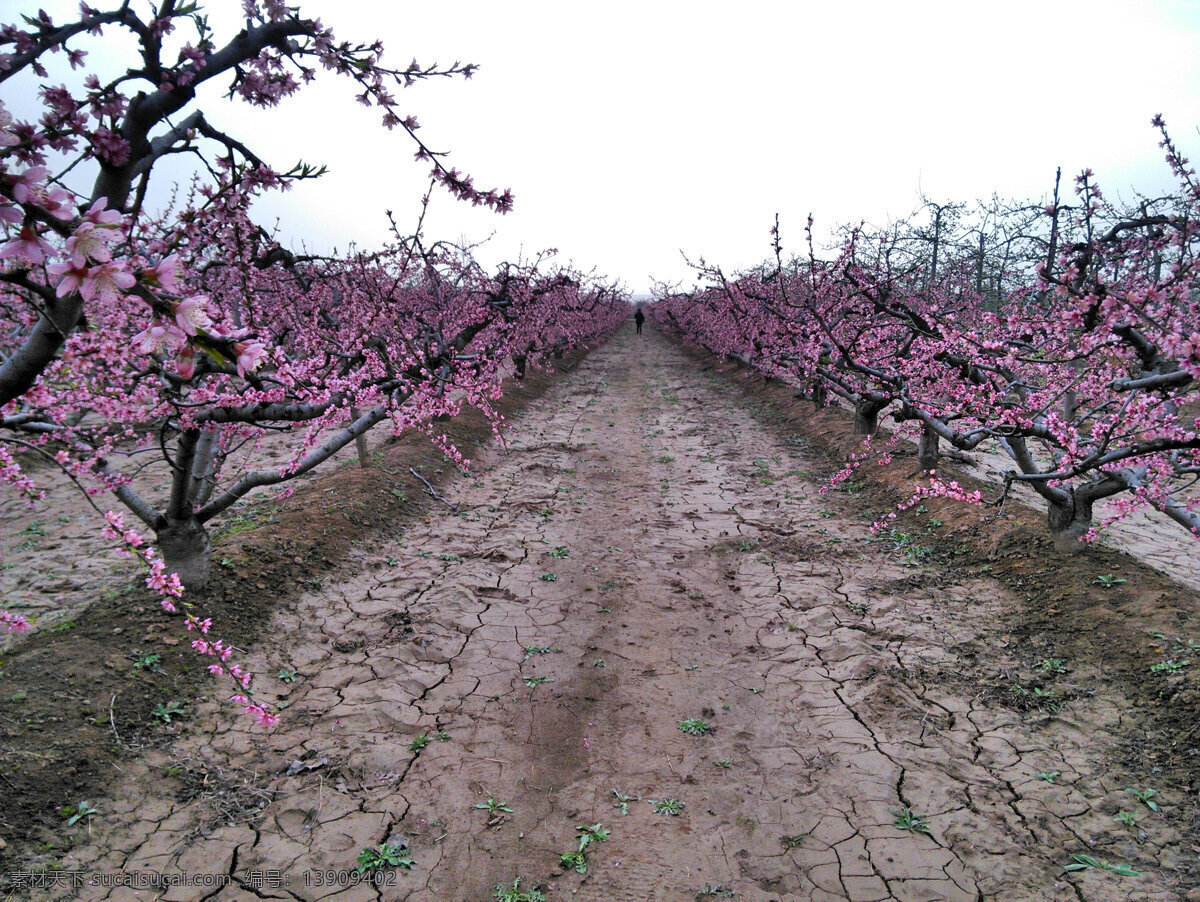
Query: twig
112,720
430,491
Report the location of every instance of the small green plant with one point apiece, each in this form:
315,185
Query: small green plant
588,834
1145,796
560,551
549,577
622,801
601,609
1128,818
373,859
856,607
1048,775
694,726
534,681
493,807
418,743
1052,665
165,712
79,812
747,544
907,819
449,558
714,891
724,763
1108,580
1169,666
287,676
1088,862
794,841
599,662
670,807
148,662
574,860
441,736
531,650
591,833
516,894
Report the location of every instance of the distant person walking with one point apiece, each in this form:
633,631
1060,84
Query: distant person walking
638,319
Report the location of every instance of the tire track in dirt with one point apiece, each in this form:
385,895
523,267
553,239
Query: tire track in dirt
644,554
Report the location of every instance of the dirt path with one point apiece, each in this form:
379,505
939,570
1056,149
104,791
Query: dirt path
644,555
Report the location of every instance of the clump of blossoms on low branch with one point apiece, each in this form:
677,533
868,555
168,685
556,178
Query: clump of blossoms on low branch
170,590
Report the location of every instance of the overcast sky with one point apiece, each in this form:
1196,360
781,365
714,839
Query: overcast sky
631,131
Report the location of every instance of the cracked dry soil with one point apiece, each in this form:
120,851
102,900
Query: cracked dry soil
645,553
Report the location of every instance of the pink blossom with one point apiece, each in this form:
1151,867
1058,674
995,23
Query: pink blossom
159,337
25,182
98,214
191,315
72,277
185,363
28,247
250,356
107,282
14,622
91,242
163,274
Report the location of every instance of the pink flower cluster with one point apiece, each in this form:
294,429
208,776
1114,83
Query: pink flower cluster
170,589
13,623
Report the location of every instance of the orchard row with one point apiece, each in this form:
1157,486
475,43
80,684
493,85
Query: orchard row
161,345
1065,337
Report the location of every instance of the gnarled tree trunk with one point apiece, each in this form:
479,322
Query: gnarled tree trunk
185,550
927,450
866,416
1070,522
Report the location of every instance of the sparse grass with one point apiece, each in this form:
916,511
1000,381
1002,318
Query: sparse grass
1081,862
694,726
623,800
669,807
516,894
165,712
373,859
493,806
907,819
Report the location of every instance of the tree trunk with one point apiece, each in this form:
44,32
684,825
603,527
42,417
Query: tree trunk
820,394
185,549
866,416
1069,523
927,450
360,442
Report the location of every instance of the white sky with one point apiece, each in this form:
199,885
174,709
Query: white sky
629,131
